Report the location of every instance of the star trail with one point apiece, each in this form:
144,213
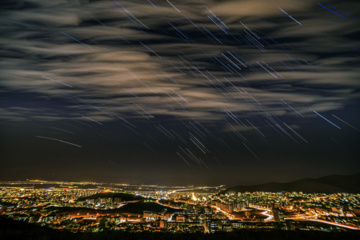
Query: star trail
184,92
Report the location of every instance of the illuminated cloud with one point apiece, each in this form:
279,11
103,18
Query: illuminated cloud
134,54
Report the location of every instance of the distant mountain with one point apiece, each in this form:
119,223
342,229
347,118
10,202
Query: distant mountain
327,184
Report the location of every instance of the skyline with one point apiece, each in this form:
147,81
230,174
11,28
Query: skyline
330,184
179,92
90,208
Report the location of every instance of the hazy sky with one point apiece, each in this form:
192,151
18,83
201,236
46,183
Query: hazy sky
180,91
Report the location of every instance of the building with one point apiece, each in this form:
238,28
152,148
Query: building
278,215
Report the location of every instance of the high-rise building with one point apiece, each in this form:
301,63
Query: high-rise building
163,224
278,215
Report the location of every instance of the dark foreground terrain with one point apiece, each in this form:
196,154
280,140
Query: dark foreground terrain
16,230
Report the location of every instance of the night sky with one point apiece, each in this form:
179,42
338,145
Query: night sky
179,91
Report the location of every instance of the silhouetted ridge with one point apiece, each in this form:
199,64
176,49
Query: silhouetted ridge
327,184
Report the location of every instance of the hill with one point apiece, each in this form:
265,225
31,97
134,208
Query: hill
135,207
327,184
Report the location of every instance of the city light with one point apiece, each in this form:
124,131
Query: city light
175,209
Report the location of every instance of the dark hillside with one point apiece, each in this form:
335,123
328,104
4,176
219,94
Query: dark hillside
327,184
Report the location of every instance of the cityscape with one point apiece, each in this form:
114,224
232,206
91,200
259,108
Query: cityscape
179,119
97,207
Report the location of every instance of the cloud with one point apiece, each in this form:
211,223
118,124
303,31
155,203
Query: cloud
137,61
258,8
